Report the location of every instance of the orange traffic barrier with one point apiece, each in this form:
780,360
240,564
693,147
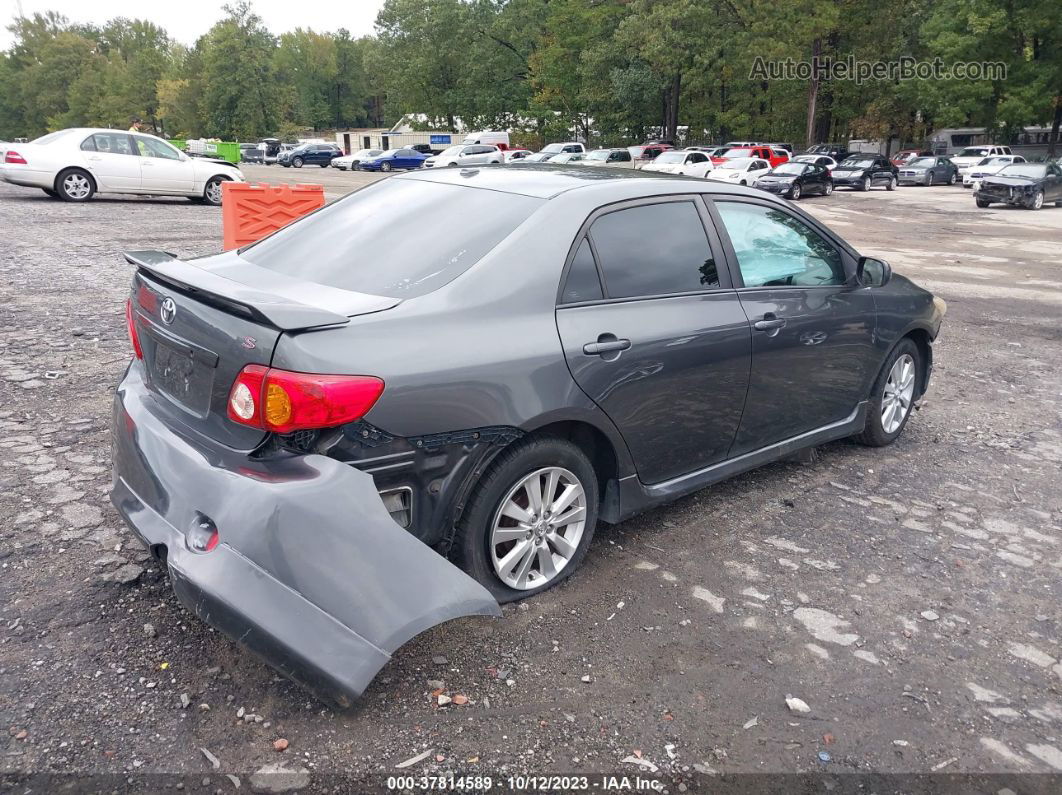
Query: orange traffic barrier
250,212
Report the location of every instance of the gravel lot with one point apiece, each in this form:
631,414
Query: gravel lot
910,596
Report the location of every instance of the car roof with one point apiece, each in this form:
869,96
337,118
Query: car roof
545,181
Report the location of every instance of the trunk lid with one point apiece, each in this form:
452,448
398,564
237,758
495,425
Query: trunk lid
201,322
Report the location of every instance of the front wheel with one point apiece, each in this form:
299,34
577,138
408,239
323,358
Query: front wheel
829,188
1037,201
74,185
530,519
893,395
952,178
865,186
794,192
982,203
893,183
385,167
297,162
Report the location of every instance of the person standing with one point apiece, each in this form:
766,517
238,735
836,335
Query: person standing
136,125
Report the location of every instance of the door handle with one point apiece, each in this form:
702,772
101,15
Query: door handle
769,323
95,157
606,343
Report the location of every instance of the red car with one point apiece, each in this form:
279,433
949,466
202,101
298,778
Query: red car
904,156
773,156
649,151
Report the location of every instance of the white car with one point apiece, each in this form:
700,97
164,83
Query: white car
512,155
75,164
351,161
566,157
466,155
673,161
818,160
613,158
988,166
740,170
972,155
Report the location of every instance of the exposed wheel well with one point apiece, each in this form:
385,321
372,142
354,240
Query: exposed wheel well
597,448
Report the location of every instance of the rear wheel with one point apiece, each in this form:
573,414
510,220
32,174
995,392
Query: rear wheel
74,185
893,395
952,178
530,519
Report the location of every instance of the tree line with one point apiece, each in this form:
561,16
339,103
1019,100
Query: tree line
611,71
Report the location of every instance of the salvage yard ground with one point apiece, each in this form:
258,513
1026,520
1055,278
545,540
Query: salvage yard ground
910,596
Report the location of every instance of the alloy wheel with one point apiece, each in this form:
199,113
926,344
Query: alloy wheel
794,194
537,528
76,186
898,394
1038,200
929,180
213,191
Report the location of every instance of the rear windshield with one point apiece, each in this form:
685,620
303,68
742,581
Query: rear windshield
401,238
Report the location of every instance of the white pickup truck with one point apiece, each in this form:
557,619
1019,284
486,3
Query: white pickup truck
972,155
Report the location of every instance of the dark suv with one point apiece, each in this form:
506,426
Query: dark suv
310,155
862,172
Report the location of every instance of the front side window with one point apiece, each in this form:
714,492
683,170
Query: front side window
776,249
654,249
582,283
150,147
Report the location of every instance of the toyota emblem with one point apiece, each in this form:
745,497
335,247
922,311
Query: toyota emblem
168,311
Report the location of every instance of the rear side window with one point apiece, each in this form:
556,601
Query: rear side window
654,249
582,283
366,243
115,143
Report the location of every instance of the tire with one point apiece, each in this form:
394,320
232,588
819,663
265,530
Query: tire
875,433
982,203
326,165
75,185
296,162
502,480
929,180
743,182
828,190
1038,201
212,191
891,185
385,166
794,193
51,192
952,179
865,184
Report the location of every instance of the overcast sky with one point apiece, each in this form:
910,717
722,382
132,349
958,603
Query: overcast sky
187,20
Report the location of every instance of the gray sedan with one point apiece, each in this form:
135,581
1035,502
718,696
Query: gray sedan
341,435
929,171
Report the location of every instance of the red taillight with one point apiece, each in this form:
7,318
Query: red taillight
283,401
14,157
130,323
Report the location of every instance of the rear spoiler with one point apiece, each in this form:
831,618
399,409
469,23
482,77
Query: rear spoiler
269,308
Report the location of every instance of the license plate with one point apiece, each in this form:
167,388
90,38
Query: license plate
177,374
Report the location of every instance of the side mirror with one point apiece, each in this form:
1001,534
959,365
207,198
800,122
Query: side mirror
872,272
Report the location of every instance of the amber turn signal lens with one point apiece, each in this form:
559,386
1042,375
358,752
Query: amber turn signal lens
277,405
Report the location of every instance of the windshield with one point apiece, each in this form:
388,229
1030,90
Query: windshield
996,160
391,153
598,154
857,162
538,157
1030,170
366,243
923,161
735,153
974,151
790,168
553,148
740,163
671,157
453,150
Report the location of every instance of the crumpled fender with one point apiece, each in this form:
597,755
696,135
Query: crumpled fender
311,572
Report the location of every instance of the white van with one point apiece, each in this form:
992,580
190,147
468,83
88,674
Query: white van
498,139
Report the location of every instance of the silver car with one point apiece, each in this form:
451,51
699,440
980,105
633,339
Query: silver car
466,155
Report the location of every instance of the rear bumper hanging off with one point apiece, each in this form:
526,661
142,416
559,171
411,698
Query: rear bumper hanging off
311,573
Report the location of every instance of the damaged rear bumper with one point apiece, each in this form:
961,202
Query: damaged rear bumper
310,572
